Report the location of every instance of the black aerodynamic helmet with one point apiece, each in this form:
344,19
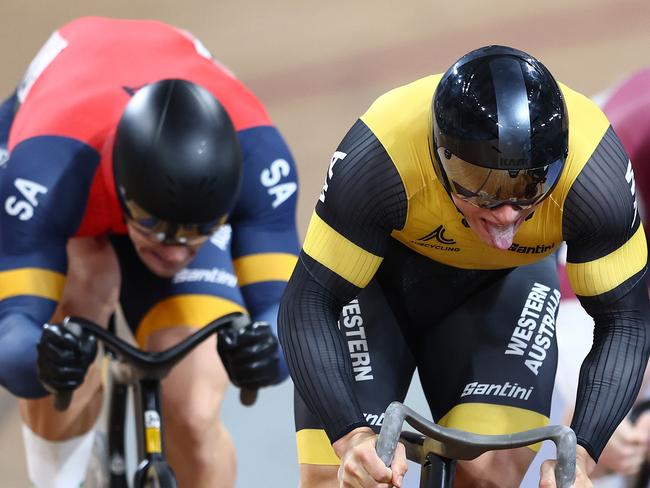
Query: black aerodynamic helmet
500,128
176,161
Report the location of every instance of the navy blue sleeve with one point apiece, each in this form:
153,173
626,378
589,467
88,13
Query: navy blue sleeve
43,191
265,240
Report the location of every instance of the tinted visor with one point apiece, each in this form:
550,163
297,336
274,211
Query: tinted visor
490,188
169,233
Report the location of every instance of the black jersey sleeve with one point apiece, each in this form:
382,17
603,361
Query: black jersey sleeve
606,262
362,201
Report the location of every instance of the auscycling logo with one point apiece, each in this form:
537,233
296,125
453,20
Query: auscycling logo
437,234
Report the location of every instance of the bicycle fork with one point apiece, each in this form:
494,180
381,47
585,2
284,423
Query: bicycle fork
437,472
116,441
149,425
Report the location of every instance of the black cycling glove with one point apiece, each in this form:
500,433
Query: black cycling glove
64,356
250,354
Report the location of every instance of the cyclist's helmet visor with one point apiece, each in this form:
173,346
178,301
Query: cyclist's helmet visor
169,233
490,188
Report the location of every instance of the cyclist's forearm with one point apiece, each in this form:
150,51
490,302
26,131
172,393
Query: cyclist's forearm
19,335
316,354
611,375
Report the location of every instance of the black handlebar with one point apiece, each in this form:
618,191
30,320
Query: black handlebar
456,444
154,365
247,396
62,400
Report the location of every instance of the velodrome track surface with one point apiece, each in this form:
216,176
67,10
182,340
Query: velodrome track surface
317,66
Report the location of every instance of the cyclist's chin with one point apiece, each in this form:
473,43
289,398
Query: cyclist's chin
162,267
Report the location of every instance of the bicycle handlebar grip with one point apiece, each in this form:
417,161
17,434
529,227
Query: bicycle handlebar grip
565,469
62,400
248,396
390,432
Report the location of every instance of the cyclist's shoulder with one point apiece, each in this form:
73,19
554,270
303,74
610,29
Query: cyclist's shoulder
56,188
398,125
403,110
592,143
587,123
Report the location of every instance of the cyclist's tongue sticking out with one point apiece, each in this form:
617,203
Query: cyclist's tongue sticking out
501,235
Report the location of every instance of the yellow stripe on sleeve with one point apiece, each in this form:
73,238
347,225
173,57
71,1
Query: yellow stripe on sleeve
340,255
31,281
314,448
489,419
604,274
257,268
184,310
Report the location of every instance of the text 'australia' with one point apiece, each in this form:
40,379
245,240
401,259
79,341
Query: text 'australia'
535,330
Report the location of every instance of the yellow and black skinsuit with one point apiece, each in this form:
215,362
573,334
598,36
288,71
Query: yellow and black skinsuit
384,219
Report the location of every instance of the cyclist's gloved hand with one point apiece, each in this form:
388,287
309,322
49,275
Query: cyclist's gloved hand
250,354
64,357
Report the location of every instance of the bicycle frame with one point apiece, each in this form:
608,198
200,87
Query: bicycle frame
149,429
116,430
149,425
441,446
